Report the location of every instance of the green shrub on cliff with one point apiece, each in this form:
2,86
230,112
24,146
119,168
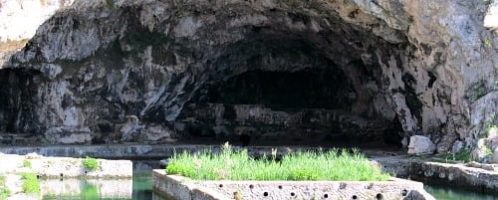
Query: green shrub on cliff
238,165
90,164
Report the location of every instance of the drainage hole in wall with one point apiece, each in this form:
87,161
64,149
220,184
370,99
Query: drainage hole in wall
379,196
265,194
404,192
293,194
280,187
326,196
251,186
221,185
355,197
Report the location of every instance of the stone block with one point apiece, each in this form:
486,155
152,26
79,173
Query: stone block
421,145
178,187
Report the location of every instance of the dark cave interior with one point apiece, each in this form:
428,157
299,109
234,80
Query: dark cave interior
313,106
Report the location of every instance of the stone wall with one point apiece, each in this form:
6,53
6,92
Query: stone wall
472,176
63,167
179,187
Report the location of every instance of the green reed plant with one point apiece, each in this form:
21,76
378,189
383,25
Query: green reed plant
229,164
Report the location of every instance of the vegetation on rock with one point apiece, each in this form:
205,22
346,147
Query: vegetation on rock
90,164
464,155
26,163
4,191
231,164
30,183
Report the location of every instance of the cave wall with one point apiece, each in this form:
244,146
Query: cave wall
119,71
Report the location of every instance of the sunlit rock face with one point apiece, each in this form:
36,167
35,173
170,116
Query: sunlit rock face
318,70
491,18
19,20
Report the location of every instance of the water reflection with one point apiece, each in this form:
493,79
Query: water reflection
87,189
90,191
139,188
448,193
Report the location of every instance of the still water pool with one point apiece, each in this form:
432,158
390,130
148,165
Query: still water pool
441,192
140,188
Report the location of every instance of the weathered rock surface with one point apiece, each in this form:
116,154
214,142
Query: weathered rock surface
427,65
421,145
457,147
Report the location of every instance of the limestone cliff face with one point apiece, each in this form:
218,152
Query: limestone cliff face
123,70
21,18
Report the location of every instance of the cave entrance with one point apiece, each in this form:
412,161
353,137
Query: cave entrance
18,90
279,86
323,105
286,91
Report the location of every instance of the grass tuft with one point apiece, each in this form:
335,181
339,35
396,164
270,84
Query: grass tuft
90,164
30,183
464,155
26,163
334,165
4,191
